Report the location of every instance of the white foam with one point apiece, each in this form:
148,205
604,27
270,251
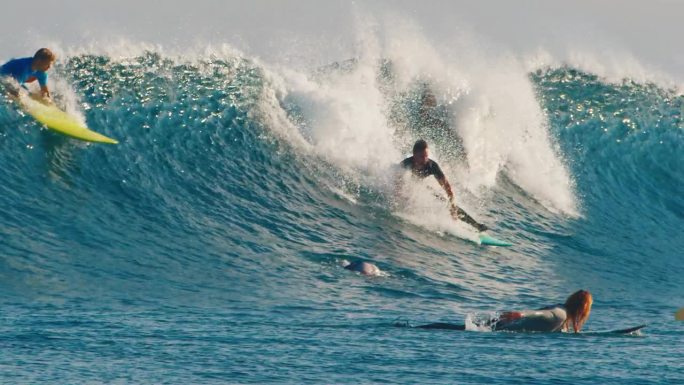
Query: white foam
492,103
504,129
345,117
65,96
421,207
474,322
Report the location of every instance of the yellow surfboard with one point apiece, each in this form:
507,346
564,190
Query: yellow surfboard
58,120
679,315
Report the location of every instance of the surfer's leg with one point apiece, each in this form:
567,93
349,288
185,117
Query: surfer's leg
442,325
459,214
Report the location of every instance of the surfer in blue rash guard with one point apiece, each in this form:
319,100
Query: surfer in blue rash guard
30,69
556,318
422,166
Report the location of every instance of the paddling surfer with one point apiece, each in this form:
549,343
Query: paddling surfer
556,318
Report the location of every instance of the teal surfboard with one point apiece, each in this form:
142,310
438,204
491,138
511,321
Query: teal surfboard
491,241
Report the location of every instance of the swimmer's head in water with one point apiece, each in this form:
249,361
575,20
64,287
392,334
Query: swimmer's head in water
364,268
578,307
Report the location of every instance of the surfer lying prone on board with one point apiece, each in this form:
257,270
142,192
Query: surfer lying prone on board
556,318
30,69
422,166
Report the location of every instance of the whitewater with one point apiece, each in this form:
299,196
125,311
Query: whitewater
209,245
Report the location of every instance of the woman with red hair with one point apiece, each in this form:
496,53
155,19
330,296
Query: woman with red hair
557,318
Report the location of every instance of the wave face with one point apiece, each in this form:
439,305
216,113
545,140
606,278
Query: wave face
622,143
207,246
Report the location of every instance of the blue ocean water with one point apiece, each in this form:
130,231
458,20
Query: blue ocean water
207,247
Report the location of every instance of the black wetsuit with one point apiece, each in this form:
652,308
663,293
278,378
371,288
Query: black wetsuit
547,319
430,168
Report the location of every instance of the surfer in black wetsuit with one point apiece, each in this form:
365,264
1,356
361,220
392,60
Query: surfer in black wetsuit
422,166
556,318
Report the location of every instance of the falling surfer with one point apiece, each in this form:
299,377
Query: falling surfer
422,166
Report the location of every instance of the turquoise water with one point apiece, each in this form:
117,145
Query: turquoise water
207,247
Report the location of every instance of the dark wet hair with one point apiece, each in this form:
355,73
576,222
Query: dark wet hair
419,146
44,54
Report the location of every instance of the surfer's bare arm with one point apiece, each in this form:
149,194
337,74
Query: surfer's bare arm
44,92
447,188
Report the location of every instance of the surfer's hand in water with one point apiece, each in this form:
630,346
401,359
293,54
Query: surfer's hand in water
481,227
45,92
41,98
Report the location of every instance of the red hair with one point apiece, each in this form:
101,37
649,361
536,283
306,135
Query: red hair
578,307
